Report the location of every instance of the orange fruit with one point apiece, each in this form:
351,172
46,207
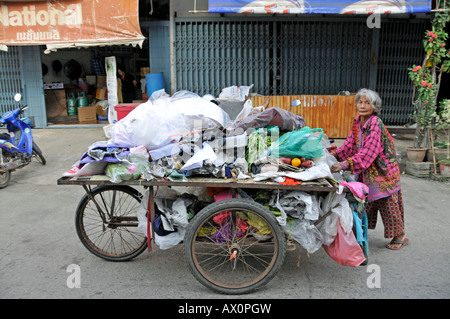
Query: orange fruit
296,162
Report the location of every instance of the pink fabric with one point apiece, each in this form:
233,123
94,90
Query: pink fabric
358,189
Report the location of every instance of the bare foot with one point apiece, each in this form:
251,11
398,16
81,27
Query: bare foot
398,241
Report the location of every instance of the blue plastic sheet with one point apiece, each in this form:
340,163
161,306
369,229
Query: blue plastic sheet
319,6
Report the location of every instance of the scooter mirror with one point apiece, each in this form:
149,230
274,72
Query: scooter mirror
18,97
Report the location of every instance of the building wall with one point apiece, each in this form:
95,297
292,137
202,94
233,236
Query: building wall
21,72
291,55
33,85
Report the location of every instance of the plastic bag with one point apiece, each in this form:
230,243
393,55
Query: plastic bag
273,116
300,143
345,250
298,204
126,171
235,93
170,240
305,233
161,119
340,211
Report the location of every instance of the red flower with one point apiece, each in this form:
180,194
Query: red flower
435,35
418,67
424,83
430,39
442,44
430,85
430,33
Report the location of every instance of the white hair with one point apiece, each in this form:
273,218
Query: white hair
372,97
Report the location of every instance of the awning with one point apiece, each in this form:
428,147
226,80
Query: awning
319,6
69,23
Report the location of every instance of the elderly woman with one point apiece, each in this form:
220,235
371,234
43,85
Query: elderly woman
369,153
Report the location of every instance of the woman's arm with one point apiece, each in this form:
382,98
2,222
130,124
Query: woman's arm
346,149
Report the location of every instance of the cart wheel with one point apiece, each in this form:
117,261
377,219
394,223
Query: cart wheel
234,246
106,223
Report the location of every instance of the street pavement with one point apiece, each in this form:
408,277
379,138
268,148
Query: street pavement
39,245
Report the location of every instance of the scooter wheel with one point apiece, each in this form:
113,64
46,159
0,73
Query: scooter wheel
5,178
38,154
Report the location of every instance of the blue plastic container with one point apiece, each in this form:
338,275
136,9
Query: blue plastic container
155,82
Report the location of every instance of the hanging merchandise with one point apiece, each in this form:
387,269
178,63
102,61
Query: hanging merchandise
111,84
57,66
72,69
71,104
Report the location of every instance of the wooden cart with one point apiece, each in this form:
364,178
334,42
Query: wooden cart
232,246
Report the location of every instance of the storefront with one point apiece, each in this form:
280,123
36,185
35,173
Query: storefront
54,51
310,47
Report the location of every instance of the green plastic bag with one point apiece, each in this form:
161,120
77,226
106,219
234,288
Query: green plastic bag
126,171
300,143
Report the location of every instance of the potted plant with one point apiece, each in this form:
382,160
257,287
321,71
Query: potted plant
426,78
443,124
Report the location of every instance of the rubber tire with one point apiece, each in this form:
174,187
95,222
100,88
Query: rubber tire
237,204
5,179
80,230
38,153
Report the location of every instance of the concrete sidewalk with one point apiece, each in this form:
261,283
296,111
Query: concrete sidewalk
38,242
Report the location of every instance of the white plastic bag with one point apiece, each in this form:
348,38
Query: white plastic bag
340,209
162,119
170,240
300,205
235,93
305,233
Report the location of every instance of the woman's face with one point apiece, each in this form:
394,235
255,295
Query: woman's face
363,107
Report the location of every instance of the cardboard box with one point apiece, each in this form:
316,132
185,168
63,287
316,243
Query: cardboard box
91,79
101,81
55,103
101,94
145,71
87,115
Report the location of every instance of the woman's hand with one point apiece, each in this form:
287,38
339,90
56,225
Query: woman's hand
336,167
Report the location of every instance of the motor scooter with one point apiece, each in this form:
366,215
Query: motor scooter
17,147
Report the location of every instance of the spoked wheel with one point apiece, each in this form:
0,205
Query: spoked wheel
234,246
106,223
37,153
5,178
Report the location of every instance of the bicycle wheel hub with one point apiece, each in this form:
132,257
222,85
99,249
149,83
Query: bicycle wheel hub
234,251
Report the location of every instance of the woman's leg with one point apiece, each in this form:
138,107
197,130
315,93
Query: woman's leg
392,214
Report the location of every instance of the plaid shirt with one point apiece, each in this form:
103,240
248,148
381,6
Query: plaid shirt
369,153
